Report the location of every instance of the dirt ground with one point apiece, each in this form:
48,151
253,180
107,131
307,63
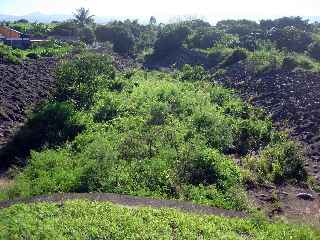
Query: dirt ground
21,88
292,99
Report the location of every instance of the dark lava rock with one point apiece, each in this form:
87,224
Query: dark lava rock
305,196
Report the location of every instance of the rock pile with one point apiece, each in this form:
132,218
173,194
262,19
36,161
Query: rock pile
21,88
293,100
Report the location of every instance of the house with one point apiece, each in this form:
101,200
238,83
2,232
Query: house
14,38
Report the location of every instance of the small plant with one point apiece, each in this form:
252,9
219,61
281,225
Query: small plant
289,63
237,56
314,50
7,54
32,55
196,73
278,163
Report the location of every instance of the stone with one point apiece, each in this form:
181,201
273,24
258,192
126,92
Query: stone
305,196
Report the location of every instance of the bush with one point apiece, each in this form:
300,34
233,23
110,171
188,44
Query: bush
157,136
205,38
171,38
279,162
238,27
210,167
218,54
253,136
7,55
32,55
248,42
291,38
80,78
120,36
264,60
196,73
296,22
51,126
305,62
237,56
84,219
289,63
314,50
66,29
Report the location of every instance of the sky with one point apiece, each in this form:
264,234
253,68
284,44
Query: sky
206,9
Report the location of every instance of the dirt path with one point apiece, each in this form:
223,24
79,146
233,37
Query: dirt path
129,201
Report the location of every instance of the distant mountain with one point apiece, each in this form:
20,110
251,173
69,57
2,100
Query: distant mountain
313,18
36,17
47,18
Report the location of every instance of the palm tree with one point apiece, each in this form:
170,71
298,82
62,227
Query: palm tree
83,17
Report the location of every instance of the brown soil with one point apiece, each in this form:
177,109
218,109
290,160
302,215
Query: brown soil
292,99
129,201
21,88
283,201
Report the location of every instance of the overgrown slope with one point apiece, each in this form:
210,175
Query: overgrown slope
153,134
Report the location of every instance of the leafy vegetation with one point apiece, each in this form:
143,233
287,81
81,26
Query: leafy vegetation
47,49
92,220
262,46
153,134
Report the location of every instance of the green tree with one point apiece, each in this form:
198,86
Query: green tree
171,37
153,21
291,38
83,17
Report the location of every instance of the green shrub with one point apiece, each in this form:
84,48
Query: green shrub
314,50
253,135
108,107
80,78
119,35
170,38
49,171
210,167
236,56
193,73
32,55
52,125
218,54
205,38
291,38
264,60
278,163
7,54
216,128
289,63
238,27
66,29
